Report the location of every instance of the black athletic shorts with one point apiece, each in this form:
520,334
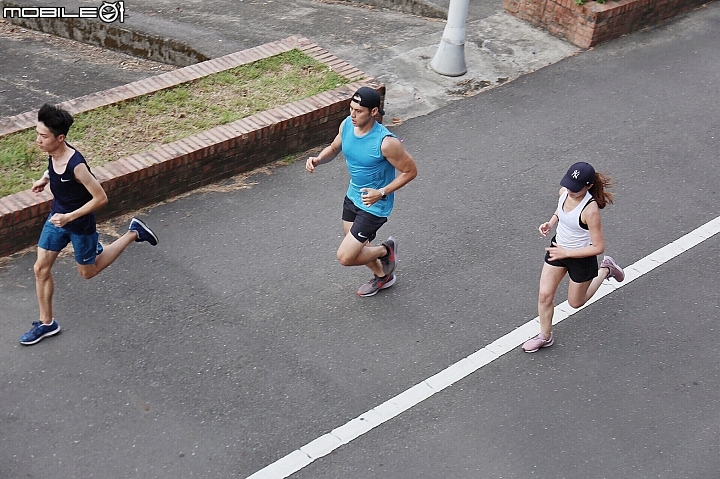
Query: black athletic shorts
579,269
365,225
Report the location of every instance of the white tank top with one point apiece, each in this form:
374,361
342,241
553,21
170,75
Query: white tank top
569,233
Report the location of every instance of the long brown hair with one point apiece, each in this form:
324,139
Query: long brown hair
599,190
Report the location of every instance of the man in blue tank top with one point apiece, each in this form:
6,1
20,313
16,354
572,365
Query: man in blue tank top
77,194
373,154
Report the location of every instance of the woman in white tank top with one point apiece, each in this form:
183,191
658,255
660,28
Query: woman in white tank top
574,249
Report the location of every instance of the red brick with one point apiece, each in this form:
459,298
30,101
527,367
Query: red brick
235,59
182,145
223,64
202,69
194,143
115,171
631,15
267,120
223,132
215,137
10,204
134,163
145,160
252,55
184,75
268,50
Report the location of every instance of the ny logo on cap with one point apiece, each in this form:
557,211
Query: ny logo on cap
576,174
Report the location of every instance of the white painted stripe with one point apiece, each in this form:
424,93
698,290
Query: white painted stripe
324,445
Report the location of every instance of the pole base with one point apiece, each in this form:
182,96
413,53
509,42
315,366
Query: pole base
449,59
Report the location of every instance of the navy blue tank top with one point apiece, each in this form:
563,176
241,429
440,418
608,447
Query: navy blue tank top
69,195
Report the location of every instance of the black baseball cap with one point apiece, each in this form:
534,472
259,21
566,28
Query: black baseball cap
579,175
367,97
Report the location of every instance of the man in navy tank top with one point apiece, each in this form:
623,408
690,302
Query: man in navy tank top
373,155
77,194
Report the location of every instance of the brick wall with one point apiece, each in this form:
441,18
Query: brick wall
593,23
150,177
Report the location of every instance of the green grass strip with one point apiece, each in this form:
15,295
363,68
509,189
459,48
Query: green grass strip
145,122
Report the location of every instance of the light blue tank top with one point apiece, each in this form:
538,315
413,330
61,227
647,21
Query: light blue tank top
367,166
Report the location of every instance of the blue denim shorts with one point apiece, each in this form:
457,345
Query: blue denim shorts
54,238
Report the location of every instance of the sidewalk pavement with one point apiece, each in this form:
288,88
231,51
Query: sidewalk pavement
393,47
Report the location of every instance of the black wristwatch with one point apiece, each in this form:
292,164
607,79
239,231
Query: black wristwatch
382,192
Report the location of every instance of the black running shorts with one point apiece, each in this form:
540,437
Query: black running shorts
365,225
580,270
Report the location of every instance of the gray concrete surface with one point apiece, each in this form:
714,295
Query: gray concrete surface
239,338
393,47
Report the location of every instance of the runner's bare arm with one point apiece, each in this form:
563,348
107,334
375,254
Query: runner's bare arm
327,155
393,150
40,184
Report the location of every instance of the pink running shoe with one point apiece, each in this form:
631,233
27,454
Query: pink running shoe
615,270
539,341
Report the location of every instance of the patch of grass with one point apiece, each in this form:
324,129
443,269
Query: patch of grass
288,160
145,122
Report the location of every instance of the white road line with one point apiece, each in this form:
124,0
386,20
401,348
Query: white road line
327,443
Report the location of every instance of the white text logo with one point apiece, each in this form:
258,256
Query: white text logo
108,12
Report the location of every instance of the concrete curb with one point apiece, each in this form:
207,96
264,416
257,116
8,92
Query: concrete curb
422,8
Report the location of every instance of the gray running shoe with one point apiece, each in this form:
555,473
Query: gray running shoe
389,261
376,284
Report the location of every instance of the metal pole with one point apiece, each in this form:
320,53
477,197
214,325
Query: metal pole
450,57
